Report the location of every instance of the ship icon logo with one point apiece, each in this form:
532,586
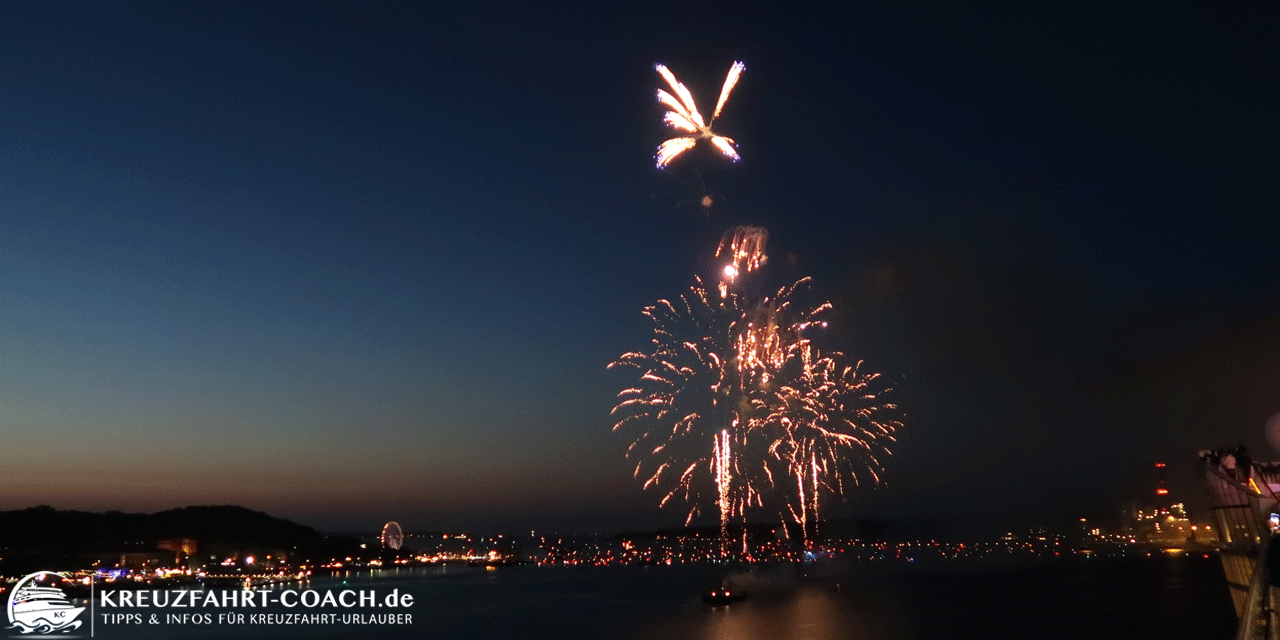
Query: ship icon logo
37,606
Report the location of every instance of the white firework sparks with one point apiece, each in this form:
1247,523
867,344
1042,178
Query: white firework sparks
683,115
744,247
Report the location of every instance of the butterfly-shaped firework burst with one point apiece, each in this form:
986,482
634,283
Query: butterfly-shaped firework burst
682,114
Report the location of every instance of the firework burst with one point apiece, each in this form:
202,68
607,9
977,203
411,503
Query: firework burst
735,404
704,406
685,407
682,115
834,428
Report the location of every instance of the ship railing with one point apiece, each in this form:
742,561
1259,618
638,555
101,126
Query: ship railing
1240,516
1259,612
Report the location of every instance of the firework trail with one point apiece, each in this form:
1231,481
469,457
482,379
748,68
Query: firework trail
682,114
744,247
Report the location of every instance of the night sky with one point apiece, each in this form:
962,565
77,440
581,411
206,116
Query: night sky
352,262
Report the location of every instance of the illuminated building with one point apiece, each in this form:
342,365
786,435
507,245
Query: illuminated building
1163,521
182,546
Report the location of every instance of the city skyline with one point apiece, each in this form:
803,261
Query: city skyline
348,264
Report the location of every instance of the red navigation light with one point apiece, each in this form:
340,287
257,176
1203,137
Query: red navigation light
1159,465
1162,491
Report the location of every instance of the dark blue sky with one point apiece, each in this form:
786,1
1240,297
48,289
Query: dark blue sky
351,262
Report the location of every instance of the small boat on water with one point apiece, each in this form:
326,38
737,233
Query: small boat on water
723,595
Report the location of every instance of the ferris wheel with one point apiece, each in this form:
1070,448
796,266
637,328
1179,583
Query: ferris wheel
392,536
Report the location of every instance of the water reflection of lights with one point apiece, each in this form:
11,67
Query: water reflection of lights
812,613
